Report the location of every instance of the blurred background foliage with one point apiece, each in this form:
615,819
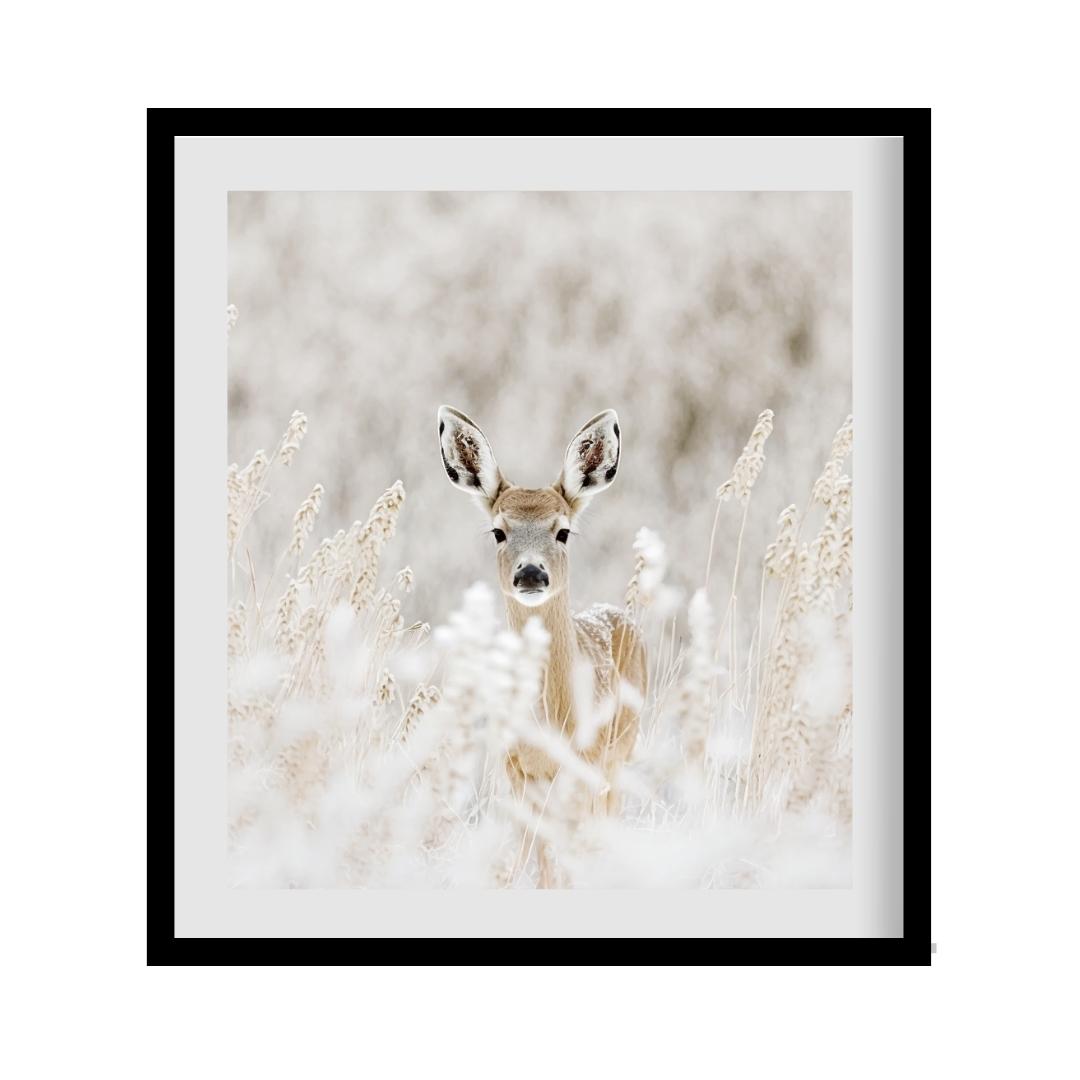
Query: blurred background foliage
688,313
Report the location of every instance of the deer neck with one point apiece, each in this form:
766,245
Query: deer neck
558,697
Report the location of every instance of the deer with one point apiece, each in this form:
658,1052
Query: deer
532,529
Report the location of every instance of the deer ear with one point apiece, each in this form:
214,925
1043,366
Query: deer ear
592,459
467,456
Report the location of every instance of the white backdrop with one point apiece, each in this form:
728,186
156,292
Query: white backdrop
1005,231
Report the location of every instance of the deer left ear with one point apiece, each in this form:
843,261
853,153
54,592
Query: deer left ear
467,456
592,459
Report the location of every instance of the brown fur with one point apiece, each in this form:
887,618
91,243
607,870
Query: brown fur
530,503
618,656
610,641
604,636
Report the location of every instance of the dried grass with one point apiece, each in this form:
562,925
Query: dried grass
364,753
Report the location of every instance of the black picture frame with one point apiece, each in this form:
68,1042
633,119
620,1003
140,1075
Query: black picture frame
163,947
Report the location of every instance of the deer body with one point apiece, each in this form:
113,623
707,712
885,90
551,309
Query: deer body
606,641
532,528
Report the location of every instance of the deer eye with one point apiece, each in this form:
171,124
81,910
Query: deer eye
499,535
562,535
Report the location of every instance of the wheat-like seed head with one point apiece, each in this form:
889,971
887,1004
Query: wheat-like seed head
388,617
404,579
236,636
363,590
245,496
234,488
364,543
831,479
287,608
650,567
843,439
797,761
384,689
294,433
844,557
302,768
780,554
309,620
384,513
319,565
422,700
304,519
252,474
750,462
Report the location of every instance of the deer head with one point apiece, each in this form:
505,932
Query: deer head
531,526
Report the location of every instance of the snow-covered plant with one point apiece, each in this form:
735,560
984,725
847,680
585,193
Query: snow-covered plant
365,752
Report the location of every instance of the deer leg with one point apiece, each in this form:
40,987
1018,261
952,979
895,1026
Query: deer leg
518,781
530,837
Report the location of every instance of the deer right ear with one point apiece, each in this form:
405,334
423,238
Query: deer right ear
592,460
467,456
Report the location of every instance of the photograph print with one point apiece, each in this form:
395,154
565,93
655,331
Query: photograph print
538,540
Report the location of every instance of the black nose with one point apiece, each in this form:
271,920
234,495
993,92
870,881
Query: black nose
530,577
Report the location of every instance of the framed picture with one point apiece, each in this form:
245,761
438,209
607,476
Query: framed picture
539,540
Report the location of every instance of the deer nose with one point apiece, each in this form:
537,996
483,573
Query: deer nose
530,577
